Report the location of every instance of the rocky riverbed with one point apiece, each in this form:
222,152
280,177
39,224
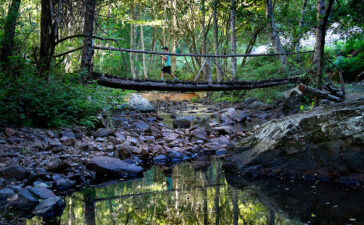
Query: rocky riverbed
39,165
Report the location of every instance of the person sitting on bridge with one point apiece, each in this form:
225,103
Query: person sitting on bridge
167,65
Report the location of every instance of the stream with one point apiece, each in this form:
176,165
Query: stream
199,192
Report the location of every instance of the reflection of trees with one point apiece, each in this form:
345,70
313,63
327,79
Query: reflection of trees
195,197
89,206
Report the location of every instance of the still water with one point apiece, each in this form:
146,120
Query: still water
200,192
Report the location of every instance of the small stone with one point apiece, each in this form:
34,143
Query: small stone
64,184
161,159
50,207
16,172
41,192
104,165
100,139
5,193
25,200
183,121
10,132
120,136
141,125
199,133
68,134
103,132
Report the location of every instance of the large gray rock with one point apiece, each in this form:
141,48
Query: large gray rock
108,166
50,207
139,103
330,137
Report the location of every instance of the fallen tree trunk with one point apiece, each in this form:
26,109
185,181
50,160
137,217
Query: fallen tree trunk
322,94
114,82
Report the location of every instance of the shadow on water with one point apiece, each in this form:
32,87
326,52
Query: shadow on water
200,192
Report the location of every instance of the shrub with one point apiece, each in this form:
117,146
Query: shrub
27,100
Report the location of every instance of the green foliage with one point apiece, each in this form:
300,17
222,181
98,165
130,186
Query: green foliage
345,60
260,69
27,100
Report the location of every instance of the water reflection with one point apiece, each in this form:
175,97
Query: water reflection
190,193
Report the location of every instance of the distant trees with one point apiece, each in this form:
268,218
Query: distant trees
88,31
7,44
208,26
273,32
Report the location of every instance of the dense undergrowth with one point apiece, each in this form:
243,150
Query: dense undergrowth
62,100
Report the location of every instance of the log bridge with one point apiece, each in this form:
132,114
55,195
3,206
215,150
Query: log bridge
195,85
187,86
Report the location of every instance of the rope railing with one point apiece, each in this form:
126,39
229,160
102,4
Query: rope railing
197,55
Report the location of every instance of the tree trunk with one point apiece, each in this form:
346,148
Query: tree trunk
165,21
89,207
296,41
87,51
9,33
132,42
276,42
233,38
143,48
47,37
216,42
322,18
174,37
236,210
203,33
251,43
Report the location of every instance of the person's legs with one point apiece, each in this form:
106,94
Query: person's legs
169,71
162,75
173,76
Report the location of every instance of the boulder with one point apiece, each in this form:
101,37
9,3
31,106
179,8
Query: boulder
329,137
108,166
16,172
183,121
139,103
50,207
